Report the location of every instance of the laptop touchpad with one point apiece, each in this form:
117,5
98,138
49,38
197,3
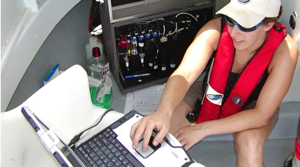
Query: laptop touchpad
150,150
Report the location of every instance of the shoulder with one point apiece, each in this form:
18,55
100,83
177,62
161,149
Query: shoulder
212,25
210,32
287,47
286,54
289,44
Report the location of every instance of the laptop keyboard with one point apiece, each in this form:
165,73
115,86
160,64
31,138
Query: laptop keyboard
104,150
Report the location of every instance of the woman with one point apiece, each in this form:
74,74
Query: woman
251,73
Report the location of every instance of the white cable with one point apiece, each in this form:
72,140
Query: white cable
171,33
176,27
183,13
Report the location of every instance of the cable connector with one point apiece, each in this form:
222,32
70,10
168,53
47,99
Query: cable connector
163,39
75,139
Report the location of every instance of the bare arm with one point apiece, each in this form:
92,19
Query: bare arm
192,65
281,70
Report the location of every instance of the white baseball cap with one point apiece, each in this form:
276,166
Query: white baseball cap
249,13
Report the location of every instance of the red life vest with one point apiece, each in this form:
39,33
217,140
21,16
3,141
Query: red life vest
213,106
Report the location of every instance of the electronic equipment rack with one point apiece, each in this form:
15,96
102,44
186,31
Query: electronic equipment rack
145,40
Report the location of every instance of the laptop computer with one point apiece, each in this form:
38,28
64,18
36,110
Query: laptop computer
111,146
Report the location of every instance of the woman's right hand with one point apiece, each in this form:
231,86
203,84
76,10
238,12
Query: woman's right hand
157,120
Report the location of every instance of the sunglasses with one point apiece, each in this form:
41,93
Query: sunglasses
231,23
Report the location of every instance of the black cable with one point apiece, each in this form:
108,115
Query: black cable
77,137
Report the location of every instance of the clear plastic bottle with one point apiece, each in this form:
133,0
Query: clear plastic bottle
134,50
93,42
141,45
95,64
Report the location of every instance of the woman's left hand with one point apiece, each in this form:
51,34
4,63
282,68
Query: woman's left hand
190,135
